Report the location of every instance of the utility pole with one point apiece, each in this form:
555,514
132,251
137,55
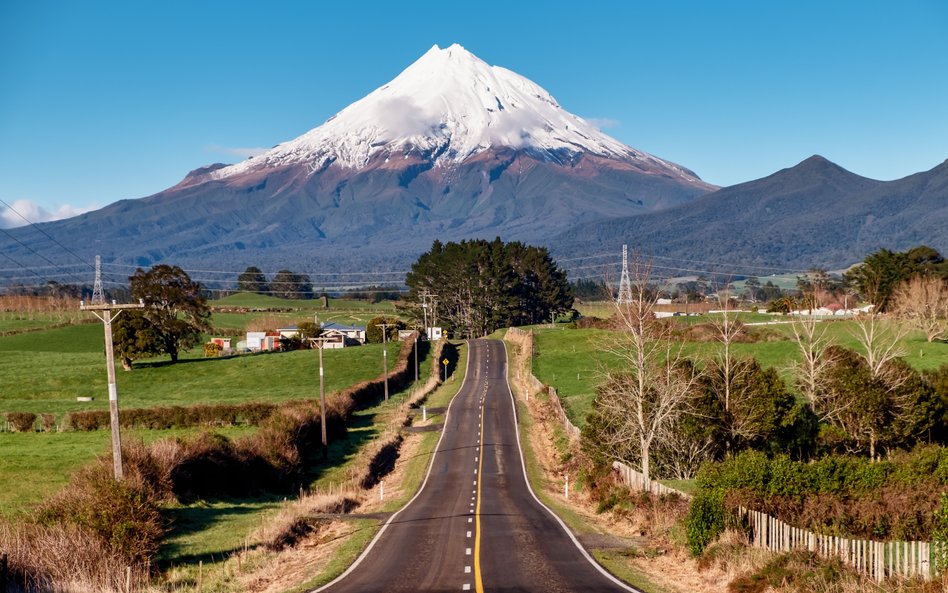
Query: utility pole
425,296
416,357
385,327
322,397
107,314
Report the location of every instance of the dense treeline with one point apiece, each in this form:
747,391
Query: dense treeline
478,286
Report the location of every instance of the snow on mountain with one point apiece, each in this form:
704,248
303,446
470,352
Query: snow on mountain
447,106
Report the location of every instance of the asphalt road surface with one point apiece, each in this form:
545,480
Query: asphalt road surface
475,524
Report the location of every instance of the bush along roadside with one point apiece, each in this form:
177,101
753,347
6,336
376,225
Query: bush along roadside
123,521
896,499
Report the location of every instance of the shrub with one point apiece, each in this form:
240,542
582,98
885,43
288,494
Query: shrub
87,420
49,422
122,515
21,421
212,349
940,535
706,518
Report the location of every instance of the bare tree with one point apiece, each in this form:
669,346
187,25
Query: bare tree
880,344
730,367
642,402
816,359
923,302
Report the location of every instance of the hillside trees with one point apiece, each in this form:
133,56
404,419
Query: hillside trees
290,285
484,285
174,307
253,280
882,271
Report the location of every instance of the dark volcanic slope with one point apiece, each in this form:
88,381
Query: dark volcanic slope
813,214
381,215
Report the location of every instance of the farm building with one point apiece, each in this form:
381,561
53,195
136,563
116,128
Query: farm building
353,333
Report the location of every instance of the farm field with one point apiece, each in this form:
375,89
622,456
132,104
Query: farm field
576,360
44,372
36,465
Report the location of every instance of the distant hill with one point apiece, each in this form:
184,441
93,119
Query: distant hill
815,214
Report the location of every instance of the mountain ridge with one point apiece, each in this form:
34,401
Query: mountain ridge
813,214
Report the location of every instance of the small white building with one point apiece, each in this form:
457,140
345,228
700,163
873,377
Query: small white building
254,340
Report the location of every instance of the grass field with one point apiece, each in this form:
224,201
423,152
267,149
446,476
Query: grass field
262,301
575,360
34,466
44,372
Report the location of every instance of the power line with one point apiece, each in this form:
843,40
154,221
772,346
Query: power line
50,237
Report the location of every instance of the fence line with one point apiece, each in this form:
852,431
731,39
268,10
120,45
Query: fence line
636,480
525,340
875,559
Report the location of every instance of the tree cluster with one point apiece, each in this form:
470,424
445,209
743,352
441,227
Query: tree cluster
878,276
479,286
285,284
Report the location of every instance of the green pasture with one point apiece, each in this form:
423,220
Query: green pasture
44,372
252,300
34,466
576,360
288,312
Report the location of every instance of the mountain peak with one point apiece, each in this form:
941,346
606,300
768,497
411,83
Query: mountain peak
445,107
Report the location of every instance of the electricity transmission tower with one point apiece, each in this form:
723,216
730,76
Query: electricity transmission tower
625,285
97,298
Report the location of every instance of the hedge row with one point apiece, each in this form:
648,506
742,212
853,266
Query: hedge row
894,499
162,417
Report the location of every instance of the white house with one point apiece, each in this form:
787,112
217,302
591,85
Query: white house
341,336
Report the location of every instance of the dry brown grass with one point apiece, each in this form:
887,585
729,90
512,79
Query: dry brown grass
299,519
63,559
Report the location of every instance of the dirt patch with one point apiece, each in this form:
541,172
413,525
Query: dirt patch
424,428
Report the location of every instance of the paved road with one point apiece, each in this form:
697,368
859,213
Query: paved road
475,525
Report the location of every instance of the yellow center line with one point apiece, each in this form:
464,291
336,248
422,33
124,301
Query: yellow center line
478,583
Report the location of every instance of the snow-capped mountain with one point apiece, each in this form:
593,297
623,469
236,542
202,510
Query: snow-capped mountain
452,148
448,106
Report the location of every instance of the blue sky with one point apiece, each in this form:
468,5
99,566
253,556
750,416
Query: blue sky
101,101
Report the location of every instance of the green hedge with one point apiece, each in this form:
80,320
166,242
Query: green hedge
892,499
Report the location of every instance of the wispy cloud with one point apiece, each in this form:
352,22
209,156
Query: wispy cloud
236,150
13,215
603,123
